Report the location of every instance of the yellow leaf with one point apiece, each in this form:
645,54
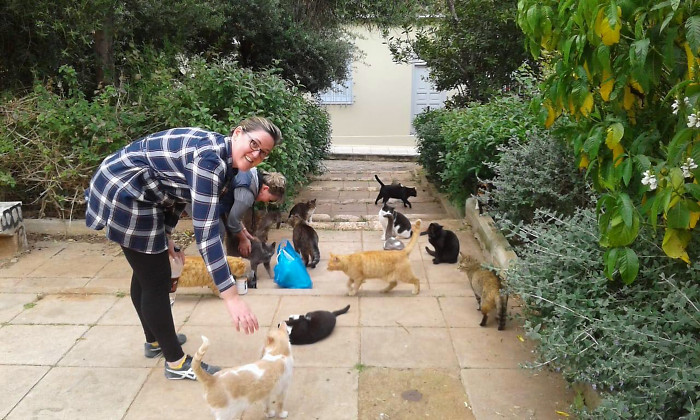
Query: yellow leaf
690,59
587,105
584,162
636,86
551,114
674,243
606,86
618,151
628,99
588,72
562,413
615,133
520,337
609,35
694,217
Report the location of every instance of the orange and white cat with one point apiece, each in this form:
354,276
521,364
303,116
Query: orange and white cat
391,266
229,392
195,274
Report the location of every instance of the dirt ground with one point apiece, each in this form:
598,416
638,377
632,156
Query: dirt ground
393,394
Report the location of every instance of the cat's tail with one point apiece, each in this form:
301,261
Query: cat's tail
315,257
502,306
202,375
341,311
414,237
378,180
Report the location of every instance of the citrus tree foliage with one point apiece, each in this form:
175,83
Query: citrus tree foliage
467,48
627,75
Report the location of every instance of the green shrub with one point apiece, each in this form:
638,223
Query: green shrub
460,143
52,139
637,345
538,173
431,145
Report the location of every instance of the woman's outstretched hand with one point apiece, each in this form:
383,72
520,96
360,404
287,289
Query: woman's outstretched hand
242,317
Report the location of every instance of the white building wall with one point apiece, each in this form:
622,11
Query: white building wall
381,110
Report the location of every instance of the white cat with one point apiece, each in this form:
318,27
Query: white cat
230,392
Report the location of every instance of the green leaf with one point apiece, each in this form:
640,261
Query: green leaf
629,265
678,144
678,216
638,52
626,209
610,259
692,33
694,190
614,134
627,167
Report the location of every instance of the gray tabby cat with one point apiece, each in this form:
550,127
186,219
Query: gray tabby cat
260,253
305,241
305,210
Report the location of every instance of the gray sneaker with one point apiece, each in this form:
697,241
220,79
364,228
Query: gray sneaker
185,371
151,350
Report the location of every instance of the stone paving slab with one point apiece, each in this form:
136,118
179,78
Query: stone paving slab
69,334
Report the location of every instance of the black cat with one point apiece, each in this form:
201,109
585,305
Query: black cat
395,190
312,327
445,242
305,241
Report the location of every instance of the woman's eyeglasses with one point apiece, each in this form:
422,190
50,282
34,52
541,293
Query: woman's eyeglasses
255,147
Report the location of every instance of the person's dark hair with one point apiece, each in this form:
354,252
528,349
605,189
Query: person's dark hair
263,124
275,181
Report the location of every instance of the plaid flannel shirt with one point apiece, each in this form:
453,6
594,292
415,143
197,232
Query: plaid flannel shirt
138,193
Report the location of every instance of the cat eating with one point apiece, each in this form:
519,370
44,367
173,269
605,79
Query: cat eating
195,274
487,289
312,327
305,241
391,243
445,242
230,392
402,226
395,190
305,210
260,253
390,266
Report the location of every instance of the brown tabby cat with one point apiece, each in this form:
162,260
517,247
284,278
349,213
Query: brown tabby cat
230,392
195,274
390,266
305,241
305,210
487,289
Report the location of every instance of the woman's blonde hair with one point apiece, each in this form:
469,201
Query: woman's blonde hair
261,124
275,181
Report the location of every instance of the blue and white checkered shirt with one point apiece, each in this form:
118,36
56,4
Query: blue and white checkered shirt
139,192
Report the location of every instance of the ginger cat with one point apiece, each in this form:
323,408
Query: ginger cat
195,274
487,289
391,266
230,392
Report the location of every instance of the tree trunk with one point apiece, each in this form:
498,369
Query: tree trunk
104,51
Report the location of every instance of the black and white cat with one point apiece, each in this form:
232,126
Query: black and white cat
445,242
395,190
402,226
391,243
312,327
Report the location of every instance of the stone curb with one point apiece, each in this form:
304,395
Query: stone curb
492,241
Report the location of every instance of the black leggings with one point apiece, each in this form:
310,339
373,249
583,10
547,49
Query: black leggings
150,288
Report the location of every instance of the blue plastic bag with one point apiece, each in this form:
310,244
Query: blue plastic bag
290,272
